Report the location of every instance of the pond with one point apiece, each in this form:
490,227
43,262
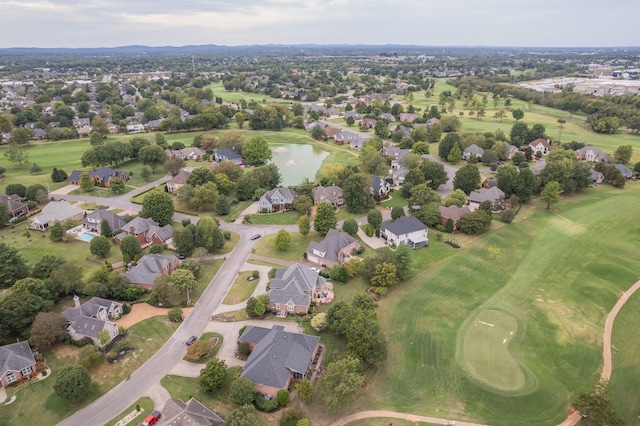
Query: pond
297,161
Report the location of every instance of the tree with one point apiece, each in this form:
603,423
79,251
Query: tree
16,154
475,222
213,376
373,163
223,206
420,148
204,197
537,132
117,185
241,391
339,274
96,139
422,195
257,306
145,173
357,196
86,184
302,204
48,329
100,246
319,322
519,134
374,218
551,193
455,154
56,232
305,390
99,126
242,416
105,229
381,129
158,205
623,153
17,189
184,281
21,136
317,132
385,275
5,215
397,212
173,166
283,240
517,114
596,406
404,262
467,178
447,144
365,340
72,383
152,156
341,382
325,218
163,290
507,179
89,356
304,225
130,246
256,151
456,198
525,185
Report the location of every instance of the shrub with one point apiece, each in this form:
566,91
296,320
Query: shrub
156,249
242,329
369,230
255,274
319,322
126,308
440,228
266,405
199,349
272,273
283,397
175,314
244,349
241,391
227,235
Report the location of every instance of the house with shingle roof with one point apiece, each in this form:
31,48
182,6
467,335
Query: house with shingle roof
16,363
626,172
190,153
336,248
230,154
93,221
293,289
149,268
332,194
60,211
90,318
592,155
405,230
14,204
472,150
395,154
345,136
147,230
178,180
278,357
101,177
190,413
387,116
495,195
276,200
540,145
379,186
454,213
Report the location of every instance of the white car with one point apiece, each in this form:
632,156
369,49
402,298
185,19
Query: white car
314,269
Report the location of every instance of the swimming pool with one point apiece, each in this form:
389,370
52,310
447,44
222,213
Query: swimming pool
86,236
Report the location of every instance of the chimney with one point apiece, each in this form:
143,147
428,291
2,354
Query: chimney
76,301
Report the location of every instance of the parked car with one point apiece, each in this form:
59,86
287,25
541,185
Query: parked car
255,236
181,256
152,418
191,340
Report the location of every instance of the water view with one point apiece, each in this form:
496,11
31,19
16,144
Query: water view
297,161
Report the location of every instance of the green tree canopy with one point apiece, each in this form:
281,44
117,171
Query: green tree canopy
130,246
467,178
256,151
304,226
213,376
72,383
158,205
283,240
341,382
100,246
325,218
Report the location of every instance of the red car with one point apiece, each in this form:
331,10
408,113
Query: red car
152,418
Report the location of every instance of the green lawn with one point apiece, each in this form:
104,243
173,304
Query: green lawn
280,218
236,210
266,246
145,403
241,289
37,400
556,272
209,270
396,200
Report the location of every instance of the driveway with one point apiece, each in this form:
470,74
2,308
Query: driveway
447,188
64,190
373,242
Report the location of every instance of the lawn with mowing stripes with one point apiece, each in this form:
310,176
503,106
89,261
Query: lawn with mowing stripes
280,218
241,289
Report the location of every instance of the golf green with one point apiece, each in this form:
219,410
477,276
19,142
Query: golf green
486,351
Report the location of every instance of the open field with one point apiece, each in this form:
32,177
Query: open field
241,289
235,96
555,272
280,218
266,246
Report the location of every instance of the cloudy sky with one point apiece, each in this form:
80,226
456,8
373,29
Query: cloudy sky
108,23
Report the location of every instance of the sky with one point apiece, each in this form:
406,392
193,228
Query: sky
110,23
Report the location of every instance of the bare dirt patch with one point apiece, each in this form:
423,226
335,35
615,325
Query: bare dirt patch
65,351
142,311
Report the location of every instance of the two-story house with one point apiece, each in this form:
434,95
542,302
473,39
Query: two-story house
89,319
277,199
16,363
592,154
147,230
336,248
93,221
293,289
405,230
149,268
379,187
332,194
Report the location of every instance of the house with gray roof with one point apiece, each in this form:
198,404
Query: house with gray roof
336,248
626,172
453,213
345,136
398,175
147,231
93,221
228,154
332,194
472,150
16,363
178,180
190,153
387,116
395,154
278,357
276,200
90,318
60,211
379,187
14,204
101,177
357,144
495,195
592,154
149,268
293,289
405,230
596,177
190,413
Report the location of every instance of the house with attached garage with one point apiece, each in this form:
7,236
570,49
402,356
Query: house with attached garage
293,289
495,195
395,154
147,231
540,145
89,319
472,150
405,230
224,154
190,153
626,172
332,194
190,413
336,248
177,181
592,154
149,268
345,137
278,357
277,199
60,211
14,204
16,363
453,213
101,177
93,221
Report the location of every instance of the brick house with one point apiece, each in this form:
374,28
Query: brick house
148,232
332,194
14,204
149,268
101,177
16,363
92,317
336,248
293,289
454,213
276,200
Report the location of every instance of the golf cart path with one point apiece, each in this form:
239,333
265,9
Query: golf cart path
571,420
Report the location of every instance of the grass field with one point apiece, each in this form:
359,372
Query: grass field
241,289
280,218
266,246
556,272
147,407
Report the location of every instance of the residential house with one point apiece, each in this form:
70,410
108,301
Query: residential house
293,289
16,363
405,230
309,126
398,175
495,195
357,144
592,155
5,138
408,117
14,204
430,122
387,116
93,221
224,154
177,181
190,413
135,127
187,154
149,268
101,177
84,132
626,172
278,357
39,134
379,187
333,112
336,248
472,150
332,194
345,136
454,213
395,154
154,125
61,211
80,122
317,108
596,177
369,122
276,200
511,151
92,317
331,132
540,145
353,114
148,232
